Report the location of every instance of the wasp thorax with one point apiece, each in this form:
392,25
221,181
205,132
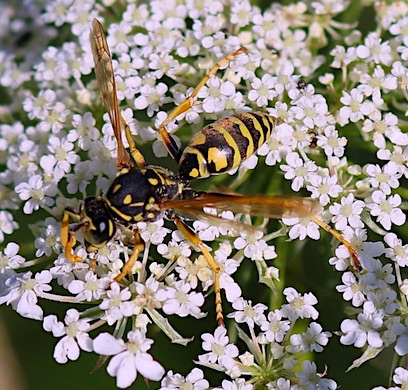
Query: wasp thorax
135,194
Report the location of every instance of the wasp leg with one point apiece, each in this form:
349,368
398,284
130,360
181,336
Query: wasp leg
196,241
168,140
68,239
134,151
339,237
138,248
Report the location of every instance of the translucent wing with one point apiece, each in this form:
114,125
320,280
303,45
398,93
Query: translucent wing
264,206
234,227
107,86
259,205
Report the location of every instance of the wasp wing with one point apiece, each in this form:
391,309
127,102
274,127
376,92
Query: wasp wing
232,226
259,205
107,86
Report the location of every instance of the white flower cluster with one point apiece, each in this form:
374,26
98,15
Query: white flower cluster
341,140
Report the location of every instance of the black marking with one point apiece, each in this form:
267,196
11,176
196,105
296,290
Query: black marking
101,228
249,119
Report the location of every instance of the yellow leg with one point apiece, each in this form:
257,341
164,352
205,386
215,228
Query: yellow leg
134,151
68,239
195,240
188,103
339,237
138,248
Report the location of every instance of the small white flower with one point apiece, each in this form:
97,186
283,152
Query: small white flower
314,339
363,330
274,327
153,231
245,312
352,289
347,212
194,381
22,291
324,188
302,228
152,98
375,50
401,376
331,143
263,90
74,332
7,224
310,379
396,251
129,358
311,111
383,178
48,243
386,209
215,95
35,194
84,131
116,303
89,289
180,301
379,275
9,259
355,107
254,247
299,306
150,294
298,170
236,384
220,351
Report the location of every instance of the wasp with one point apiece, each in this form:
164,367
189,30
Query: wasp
144,192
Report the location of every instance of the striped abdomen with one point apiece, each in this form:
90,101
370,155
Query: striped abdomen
225,144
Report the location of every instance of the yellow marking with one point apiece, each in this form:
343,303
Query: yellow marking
117,212
138,218
217,157
200,170
127,199
246,133
154,181
116,188
194,173
151,215
258,127
148,207
137,204
198,139
232,144
95,247
267,122
111,227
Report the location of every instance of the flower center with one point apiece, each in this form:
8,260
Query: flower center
218,349
298,303
71,329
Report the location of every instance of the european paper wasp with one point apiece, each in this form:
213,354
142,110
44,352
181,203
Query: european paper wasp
146,192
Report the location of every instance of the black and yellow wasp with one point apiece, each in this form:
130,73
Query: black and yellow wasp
146,192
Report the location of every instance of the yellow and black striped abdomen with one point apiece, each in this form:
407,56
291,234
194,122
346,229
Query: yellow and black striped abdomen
225,144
